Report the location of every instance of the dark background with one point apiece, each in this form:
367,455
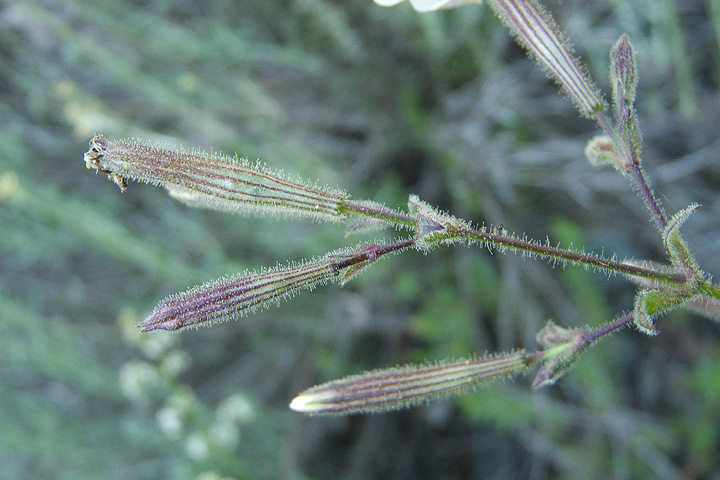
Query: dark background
382,102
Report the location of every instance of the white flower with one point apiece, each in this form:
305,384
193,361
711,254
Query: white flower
236,408
196,446
136,379
224,434
212,475
430,5
170,422
175,362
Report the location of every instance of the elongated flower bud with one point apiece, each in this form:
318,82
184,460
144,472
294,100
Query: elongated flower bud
623,73
535,29
212,180
230,298
394,388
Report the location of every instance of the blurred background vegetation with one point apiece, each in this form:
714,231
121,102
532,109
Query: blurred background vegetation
381,102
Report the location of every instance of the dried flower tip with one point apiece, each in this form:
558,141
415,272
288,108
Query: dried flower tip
430,5
553,335
213,180
394,388
535,29
623,74
93,159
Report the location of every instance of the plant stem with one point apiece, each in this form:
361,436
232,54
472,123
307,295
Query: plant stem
555,253
649,196
577,340
636,173
616,324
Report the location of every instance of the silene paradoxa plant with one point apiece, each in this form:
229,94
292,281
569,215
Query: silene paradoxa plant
235,185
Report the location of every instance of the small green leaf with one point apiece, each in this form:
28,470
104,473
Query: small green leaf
656,302
676,246
651,303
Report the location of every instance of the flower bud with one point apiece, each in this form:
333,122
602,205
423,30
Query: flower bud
213,180
394,388
537,32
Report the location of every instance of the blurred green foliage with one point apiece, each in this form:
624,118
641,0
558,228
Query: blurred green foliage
381,102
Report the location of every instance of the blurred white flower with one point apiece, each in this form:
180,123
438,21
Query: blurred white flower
183,400
196,446
430,5
235,409
136,379
224,434
175,362
212,475
170,421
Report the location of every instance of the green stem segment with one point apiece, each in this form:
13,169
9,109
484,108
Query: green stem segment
547,251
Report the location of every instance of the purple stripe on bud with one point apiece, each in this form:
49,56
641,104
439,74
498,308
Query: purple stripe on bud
536,30
405,386
212,180
230,298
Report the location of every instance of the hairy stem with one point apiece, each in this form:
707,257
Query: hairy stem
649,196
635,172
616,324
548,251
